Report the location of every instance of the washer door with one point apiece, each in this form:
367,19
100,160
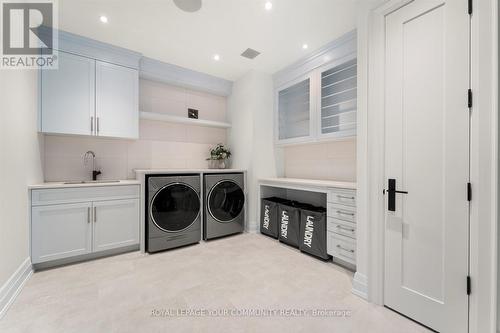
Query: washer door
175,207
226,201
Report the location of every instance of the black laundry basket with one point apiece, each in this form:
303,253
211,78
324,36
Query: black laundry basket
313,231
289,223
269,218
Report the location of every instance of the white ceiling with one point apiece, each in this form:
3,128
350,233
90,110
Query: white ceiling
158,29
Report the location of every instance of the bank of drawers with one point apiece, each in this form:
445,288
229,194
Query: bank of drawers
341,225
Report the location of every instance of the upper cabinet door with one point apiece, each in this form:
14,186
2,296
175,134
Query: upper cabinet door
67,96
294,106
117,101
338,100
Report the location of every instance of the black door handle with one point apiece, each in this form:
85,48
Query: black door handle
391,191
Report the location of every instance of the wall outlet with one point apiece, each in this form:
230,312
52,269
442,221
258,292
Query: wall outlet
193,113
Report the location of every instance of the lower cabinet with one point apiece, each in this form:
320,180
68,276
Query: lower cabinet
60,231
63,230
115,224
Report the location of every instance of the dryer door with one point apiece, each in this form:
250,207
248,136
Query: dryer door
175,207
226,201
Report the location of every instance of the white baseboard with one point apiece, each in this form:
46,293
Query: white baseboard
252,228
360,285
13,286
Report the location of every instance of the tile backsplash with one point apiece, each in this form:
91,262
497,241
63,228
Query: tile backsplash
160,144
329,161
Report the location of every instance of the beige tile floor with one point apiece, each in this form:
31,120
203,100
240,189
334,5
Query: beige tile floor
249,271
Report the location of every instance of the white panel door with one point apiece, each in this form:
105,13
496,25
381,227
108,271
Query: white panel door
117,101
427,126
116,224
60,231
67,96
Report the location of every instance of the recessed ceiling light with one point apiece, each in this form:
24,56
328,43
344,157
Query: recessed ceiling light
216,57
103,19
268,5
305,46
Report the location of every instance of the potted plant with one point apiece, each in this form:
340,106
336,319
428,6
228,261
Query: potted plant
218,157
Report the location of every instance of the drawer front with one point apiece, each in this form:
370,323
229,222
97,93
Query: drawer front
343,248
84,194
342,197
343,228
341,212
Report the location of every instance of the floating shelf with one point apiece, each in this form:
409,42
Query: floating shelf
183,120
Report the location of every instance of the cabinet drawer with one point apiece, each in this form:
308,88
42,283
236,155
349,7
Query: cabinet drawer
342,197
83,194
343,228
342,212
341,247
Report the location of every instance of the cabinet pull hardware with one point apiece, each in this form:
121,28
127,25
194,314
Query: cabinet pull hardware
97,125
91,125
95,214
345,228
345,197
88,214
344,213
344,249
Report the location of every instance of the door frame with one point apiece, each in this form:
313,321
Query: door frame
484,155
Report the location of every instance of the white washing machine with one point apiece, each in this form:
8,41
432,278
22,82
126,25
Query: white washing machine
224,204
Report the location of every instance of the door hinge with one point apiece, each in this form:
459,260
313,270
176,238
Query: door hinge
470,7
469,98
469,192
468,285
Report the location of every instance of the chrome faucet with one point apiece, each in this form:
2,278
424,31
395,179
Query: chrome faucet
86,157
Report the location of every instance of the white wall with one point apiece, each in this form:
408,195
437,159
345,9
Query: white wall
250,110
160,144
20,165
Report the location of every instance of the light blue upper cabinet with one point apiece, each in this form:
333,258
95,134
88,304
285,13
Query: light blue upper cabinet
95,90
67,96
117,105
316,98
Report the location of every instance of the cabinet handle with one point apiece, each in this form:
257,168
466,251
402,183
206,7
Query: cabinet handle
95,214
97,125
88,214
344,249
345,197
345,228
344,213
91,125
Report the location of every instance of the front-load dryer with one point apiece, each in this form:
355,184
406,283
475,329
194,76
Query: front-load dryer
173,208
224,204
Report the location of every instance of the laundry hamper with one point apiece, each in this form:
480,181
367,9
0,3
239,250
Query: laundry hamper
269,222
312,237
289,220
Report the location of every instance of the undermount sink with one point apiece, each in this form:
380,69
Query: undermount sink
92,182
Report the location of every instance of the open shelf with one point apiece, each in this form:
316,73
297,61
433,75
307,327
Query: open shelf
183,120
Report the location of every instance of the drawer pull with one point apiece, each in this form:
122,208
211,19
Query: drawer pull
345,228
345,197
344,213
88,214
344,249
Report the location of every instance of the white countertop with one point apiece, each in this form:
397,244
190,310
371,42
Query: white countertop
309,182
63,185
180,171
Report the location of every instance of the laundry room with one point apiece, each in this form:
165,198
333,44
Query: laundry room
249,166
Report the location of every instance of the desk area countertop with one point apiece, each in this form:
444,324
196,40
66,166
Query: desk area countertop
307,182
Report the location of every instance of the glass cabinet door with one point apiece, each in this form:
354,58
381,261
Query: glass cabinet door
294,111
339,100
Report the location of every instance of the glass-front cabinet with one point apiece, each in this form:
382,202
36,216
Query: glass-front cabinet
294,111
318,106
